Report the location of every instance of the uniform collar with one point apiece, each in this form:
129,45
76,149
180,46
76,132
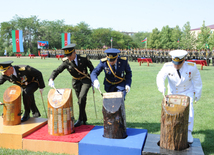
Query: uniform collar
75,60
14,72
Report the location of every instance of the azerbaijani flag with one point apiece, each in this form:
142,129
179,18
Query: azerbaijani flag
144,41
178,41
42,44
17,41
65,39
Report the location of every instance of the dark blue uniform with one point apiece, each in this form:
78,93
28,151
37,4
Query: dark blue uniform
117,82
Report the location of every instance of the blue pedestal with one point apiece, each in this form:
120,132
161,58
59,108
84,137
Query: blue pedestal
95,144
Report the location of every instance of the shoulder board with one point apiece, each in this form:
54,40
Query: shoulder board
168,63
123,58
104,59
22,69
64,59
191,64
83,55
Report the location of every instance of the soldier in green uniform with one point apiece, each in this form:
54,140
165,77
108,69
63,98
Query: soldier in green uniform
29,79
77,66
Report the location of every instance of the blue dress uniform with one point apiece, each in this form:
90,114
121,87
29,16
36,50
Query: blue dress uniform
187,83
29,79
117,76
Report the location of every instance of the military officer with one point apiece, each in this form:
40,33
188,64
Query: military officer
118,74
29,79
184,79
77,66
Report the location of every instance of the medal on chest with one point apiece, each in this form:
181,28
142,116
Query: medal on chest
189,74
107,70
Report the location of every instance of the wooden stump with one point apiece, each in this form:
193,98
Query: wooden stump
174,122
12,106
114,115
60,112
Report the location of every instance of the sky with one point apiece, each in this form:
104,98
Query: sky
120,15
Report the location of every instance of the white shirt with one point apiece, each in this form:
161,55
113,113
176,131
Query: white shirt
75,60
14,72
190,81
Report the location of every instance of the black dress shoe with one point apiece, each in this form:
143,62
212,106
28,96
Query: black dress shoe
25,118
78,123
36,115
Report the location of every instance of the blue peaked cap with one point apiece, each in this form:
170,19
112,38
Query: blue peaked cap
112,53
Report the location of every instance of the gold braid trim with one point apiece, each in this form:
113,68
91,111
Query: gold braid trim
114,73
28,82
79,78
114,83
85,75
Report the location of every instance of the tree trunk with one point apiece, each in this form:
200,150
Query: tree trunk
174,122
60,112
114,116
12,105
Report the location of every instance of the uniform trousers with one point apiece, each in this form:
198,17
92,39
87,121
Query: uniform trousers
28,98
81,88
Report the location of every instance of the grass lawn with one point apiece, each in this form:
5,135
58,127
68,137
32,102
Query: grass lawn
143,102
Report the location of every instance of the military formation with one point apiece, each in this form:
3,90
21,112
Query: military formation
157,55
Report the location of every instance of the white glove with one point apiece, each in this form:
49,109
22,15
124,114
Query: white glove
96,84
196,99
162,90
51,83
127,88
41,90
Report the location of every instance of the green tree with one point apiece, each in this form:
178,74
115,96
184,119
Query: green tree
211,41
203,37
51,31
187,38
121,41
176,37
82,36
101,37
6,36
154,39
165,37
29,27
138,37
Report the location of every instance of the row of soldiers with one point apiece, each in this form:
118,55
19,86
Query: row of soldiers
157,55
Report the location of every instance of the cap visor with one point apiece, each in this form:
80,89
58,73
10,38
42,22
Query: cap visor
111,60
176,63
67,55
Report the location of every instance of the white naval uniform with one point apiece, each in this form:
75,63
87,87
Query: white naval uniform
189,84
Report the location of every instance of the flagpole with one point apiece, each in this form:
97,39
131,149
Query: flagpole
146,43
111,42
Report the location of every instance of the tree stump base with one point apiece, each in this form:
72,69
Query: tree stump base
114,116
174,122
12,106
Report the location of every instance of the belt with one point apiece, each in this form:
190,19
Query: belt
114,83
80,78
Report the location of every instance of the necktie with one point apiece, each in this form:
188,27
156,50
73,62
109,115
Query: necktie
113,67
74,63
179,73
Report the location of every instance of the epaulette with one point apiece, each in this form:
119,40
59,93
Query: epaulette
83,55
191,64
64,59
104,59
123,58
22,69
168,63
